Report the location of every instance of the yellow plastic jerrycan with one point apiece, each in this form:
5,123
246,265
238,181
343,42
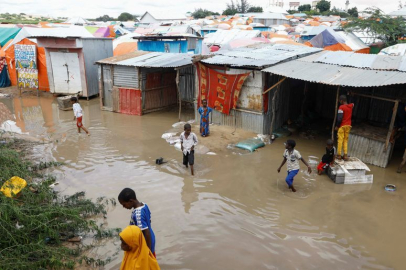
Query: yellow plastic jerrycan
13,186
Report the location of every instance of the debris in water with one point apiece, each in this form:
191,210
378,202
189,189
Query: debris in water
390,187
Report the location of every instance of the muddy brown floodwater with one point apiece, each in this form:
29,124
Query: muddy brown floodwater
236,213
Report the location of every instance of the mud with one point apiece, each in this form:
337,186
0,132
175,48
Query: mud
237,212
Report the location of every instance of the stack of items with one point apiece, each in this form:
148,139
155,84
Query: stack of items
352,171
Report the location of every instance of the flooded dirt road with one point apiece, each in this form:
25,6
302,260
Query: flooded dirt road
237,212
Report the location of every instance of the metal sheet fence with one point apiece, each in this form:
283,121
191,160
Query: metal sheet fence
125,76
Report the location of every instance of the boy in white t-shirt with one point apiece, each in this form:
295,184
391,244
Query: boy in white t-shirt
78,113
292,156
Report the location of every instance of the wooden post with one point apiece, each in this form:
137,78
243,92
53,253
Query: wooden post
273,110
180,98
392,123
335,115
273,86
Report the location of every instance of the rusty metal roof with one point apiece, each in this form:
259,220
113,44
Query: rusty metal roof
149,60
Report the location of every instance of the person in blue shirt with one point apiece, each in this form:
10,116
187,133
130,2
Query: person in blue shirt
140,216
204,112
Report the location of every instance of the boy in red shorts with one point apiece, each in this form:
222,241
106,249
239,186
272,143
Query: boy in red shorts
78,113
328,158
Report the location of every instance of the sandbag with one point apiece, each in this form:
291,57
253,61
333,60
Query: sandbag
250,144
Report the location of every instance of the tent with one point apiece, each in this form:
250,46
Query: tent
125,47
338,41
102,32
41,64
77,21
395,50
6,34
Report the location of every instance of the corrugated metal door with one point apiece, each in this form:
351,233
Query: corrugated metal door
126,76
130,101
108,87
66,72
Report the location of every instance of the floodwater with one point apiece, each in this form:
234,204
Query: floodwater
237,212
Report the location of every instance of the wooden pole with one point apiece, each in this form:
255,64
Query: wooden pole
273,110
335,115
180,98
392,123
273,86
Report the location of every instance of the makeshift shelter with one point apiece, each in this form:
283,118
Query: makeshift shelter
222,37
125,47
6,34
43,82
311,86
395,50
310,32
102,32
147,18
71,63
338,41
186,43
251,111
77,21
142,82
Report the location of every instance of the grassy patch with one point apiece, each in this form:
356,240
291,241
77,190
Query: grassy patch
35,226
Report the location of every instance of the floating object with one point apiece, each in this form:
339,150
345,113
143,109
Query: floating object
160,161
13,186
390,187
250,144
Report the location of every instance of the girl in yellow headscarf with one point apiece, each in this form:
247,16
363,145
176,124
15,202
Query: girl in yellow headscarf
137,255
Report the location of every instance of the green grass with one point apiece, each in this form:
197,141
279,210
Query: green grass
34,226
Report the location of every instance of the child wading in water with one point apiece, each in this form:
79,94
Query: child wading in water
292,156
328,158
188,141
140,216
78,113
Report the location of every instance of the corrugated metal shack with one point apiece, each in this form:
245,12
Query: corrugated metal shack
315,82
252,111
70,63
142,82
180,43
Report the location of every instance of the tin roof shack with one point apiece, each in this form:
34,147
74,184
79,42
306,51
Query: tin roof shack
71,63
251,112
142,82
184,43
312,85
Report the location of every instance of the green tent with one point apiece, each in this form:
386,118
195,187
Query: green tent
6,34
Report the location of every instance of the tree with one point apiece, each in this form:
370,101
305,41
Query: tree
323,5
105,18
239,7
255,9
203,13
125,16
379,25
302,8
353,12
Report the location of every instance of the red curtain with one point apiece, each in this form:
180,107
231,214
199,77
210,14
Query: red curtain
220,90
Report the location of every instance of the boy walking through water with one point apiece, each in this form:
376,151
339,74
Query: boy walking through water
292,156
78,113
188,141
204,112
343,126
140,216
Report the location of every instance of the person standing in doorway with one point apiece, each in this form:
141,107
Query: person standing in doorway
204,112
343,126
78,114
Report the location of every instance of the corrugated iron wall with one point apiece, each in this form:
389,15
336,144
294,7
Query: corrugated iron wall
158,88
187,83
369,151
94,50
126,76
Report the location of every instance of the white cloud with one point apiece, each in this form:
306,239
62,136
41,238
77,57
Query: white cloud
95,8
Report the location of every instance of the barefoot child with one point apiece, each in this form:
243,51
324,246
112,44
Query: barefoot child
292,156
78,113
188,141
328,158
140,216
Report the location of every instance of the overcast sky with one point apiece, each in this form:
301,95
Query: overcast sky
95,8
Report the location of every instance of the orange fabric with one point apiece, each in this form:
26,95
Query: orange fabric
44,25
338,47
366,50
41,64
125,47
2,50
307,43
314,23
112,33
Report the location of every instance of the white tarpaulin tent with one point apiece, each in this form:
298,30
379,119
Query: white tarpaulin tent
395,50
